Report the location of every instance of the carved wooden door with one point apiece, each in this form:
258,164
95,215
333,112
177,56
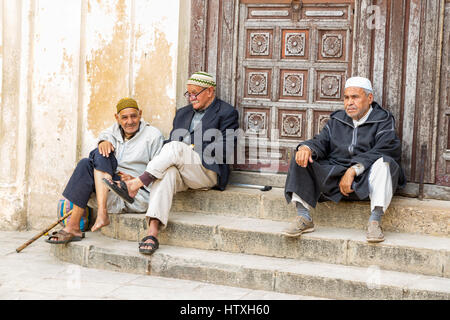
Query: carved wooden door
293,61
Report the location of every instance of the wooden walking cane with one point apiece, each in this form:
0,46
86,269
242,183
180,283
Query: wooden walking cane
26,244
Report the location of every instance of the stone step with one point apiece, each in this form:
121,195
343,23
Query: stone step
412,253
407,215
276,180
282,275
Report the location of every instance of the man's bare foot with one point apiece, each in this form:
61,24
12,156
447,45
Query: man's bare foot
133,186
127,190
101,221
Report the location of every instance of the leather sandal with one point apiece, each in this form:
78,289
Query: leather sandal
154,246
63,237
121,191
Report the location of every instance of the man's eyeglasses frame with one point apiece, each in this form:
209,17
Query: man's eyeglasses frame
188,95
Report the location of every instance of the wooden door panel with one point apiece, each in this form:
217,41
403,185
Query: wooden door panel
292,67
290,1
284,63
443,164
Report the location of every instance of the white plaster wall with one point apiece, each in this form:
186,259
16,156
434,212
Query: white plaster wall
155,61
72,61
54,104
106,65
14,124
144,23
1,47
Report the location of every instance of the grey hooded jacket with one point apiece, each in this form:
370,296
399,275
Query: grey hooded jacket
132,158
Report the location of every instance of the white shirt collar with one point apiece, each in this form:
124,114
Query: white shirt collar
359,122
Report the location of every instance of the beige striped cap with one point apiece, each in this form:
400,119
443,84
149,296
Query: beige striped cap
202,79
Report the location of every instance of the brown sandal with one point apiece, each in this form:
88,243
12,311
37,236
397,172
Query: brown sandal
63,237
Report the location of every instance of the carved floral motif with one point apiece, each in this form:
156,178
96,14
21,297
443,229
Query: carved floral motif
294,44
330,86
292,125
322,121
332,46
257,83
256,122
259,44
293,84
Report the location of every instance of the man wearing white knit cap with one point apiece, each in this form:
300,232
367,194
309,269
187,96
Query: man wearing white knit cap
194,156
356,156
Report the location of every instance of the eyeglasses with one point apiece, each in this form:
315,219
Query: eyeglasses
193,95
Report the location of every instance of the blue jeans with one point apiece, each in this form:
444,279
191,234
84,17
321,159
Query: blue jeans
81,184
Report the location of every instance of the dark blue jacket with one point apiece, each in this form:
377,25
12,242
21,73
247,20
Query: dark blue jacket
214,140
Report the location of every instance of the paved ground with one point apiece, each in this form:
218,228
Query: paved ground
35,274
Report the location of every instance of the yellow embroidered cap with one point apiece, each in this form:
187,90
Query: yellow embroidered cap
126,103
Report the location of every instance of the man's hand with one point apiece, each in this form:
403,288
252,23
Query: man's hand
303,156
105,148
345,185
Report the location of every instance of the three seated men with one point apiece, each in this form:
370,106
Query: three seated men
356,156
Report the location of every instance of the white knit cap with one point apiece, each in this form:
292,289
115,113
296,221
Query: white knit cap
359,82
202,79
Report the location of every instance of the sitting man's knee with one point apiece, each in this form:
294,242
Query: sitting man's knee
175,145
380,164
379,171
95,154
171,173
84,163
178,149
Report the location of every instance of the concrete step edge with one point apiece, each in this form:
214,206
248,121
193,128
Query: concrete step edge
401,252
255,272
276,192
404,215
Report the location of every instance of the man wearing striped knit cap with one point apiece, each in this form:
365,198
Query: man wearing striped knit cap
194,156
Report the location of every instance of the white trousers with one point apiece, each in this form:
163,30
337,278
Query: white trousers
380,187
177,168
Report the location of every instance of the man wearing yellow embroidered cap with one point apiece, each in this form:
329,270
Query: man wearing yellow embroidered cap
123,151
356,156
202,137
